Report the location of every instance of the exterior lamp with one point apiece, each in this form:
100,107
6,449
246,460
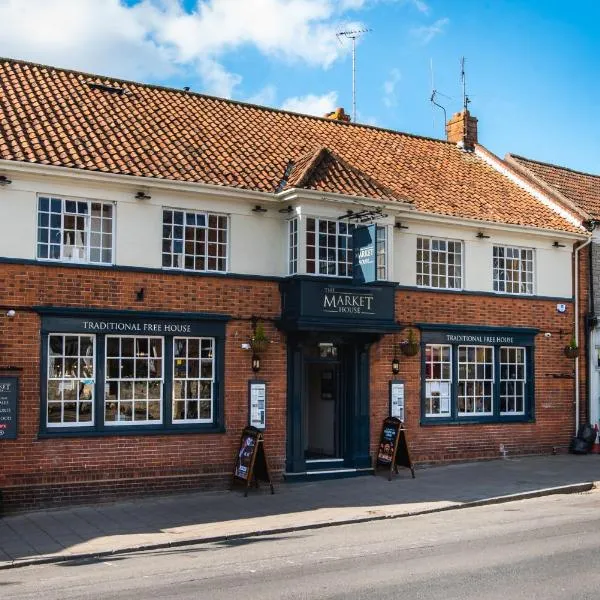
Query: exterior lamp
256,363
395,366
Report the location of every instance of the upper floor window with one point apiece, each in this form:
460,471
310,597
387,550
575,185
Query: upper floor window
293,246
329,247
194,240
381,253
513,270
75,230
439,263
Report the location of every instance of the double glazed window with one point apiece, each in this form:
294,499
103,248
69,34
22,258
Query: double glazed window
468,381
136,372
513,270
74,230
194,241
439,263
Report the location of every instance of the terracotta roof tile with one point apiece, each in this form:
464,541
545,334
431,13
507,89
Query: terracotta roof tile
53,116
582,189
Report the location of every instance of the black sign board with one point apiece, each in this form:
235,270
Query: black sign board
393,448
309,304
9,396
251,460
364,245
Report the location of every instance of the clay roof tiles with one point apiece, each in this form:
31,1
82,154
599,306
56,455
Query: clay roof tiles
582,189
55,117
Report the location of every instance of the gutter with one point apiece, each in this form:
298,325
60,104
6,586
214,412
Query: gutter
576,251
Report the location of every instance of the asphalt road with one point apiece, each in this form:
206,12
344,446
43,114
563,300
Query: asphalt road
544,548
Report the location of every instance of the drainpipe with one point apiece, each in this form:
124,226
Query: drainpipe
576,252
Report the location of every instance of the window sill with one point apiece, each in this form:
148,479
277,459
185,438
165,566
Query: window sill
428,422
129,431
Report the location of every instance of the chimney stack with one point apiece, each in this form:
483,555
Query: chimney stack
462,129
338,115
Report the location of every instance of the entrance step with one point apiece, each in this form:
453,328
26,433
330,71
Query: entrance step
322,474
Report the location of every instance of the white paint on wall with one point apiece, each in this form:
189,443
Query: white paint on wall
18,223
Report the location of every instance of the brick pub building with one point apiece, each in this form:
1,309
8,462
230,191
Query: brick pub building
149,235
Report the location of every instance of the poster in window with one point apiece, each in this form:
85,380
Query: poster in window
258,403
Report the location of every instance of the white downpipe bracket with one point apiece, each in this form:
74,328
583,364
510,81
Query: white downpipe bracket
576,326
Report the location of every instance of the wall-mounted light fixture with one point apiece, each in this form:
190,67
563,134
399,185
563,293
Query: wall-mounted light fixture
139,294
142,196
287,209
256,363
398,225
557,245
4,180
395,366
259,209
481,236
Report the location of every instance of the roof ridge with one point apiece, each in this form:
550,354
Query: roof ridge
555,166
221,99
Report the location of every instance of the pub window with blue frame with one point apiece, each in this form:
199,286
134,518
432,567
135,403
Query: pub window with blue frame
477,375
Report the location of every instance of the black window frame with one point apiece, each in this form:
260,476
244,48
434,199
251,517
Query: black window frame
461,335
70,321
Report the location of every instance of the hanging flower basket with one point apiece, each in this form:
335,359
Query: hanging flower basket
409,346
571,351
259,341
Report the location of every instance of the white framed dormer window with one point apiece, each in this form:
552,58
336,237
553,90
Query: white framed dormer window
72,230
513,270
439,263
328,247
195,241
292,246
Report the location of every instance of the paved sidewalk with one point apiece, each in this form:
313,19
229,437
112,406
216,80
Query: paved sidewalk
63,534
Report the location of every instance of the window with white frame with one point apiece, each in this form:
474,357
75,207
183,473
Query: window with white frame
328,247
193,380
513,270
133,380
513,379
70,383
475,380
293,246
381,253
195,241
75,230
439,263
438,380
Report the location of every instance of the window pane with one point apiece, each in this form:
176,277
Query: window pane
438,263
438,381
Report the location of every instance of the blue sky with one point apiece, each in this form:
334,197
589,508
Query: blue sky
531,64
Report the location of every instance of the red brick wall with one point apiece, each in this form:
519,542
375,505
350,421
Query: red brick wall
31,468
51,471
554,397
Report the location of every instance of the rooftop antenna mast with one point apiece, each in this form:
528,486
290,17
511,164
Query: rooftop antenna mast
353,35
463,79
434,92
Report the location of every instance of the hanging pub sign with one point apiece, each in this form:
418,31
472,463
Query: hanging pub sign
364,245
393,448
251,460
9,395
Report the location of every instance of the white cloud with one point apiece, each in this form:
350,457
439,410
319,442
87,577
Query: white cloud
427,33
420,6
265,96
389,88
312,104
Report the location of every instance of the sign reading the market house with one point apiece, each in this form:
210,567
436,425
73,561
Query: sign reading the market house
364,244
348,302
9,395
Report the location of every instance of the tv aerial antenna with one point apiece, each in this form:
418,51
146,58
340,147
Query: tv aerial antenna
463,79
353,35
435,93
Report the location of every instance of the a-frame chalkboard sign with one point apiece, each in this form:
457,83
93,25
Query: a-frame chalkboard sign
393,448
251,460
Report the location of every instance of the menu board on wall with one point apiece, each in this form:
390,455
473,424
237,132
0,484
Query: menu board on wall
257,395
9,396
397,399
